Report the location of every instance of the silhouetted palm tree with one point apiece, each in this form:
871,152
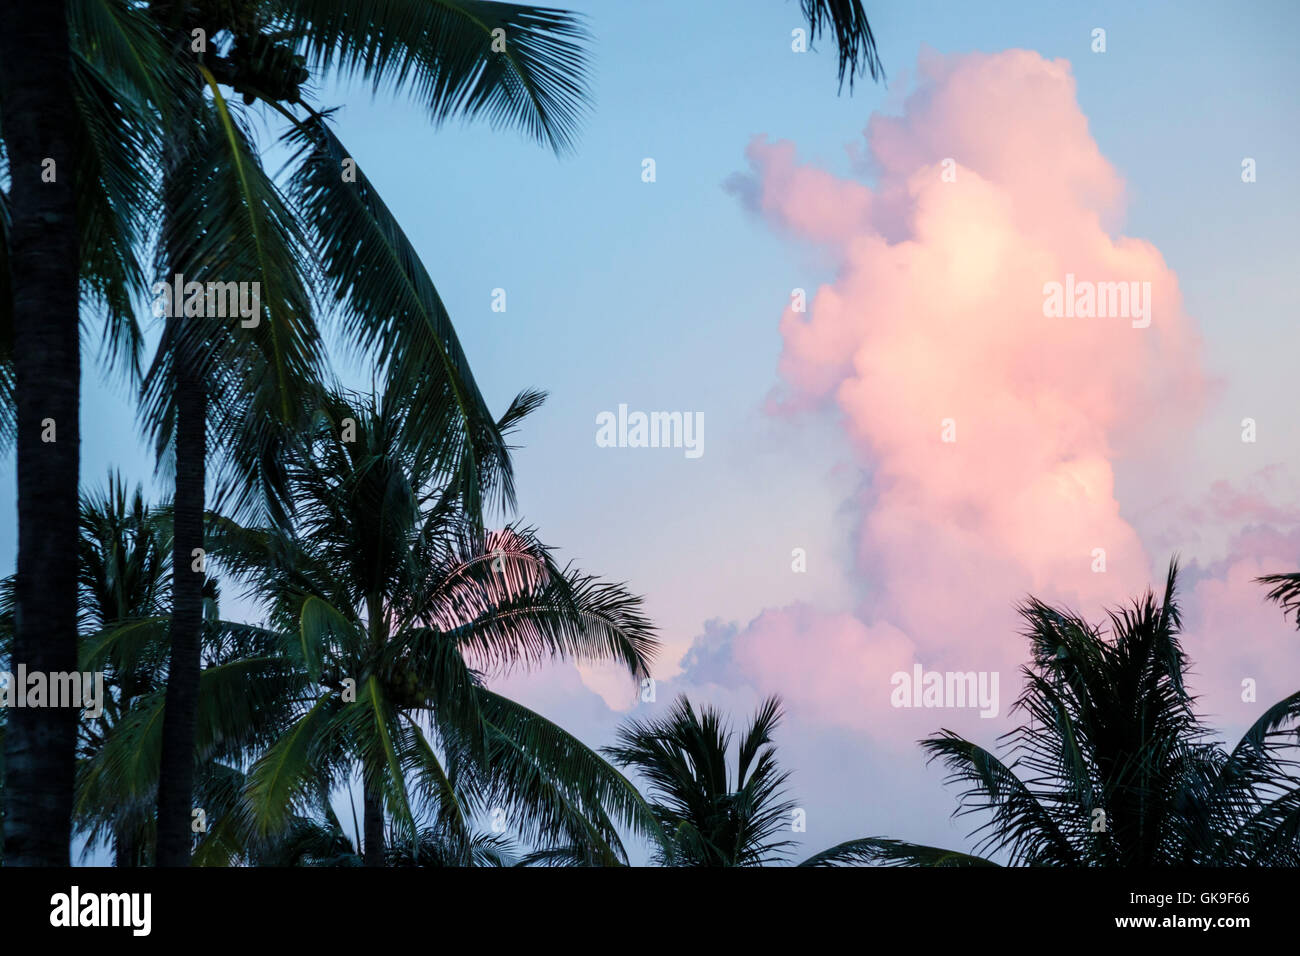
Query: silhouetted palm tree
40,377
392,600
123,602
237,393
123,573
1115,767
708,816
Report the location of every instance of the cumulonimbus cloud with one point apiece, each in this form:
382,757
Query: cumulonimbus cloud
990,431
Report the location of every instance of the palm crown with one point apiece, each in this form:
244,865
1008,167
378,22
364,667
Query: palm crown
180,175
709,815
395,605
1115,767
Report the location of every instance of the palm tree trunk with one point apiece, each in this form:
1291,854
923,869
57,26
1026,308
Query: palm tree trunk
373,798
374,824
37,102
180,709
180,706
126,843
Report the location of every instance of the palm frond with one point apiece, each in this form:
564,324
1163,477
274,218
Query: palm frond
287,775
881,851
230,228
847,21
1284,591
561,756
388,307
508,63
1020,825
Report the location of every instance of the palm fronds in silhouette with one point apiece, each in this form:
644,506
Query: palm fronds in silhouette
709,815
1112,766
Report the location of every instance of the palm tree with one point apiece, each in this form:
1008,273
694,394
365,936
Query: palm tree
239,394
123,601
123,575
41,367
1117,768
394,603
96,143
246,690
709,816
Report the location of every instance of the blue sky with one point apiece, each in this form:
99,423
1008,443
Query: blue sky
667,295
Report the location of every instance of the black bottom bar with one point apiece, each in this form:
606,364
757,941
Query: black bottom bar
432,906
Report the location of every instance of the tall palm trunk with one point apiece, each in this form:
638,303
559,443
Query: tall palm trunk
176,774
180,707
126,843
374,824
372,795
37,102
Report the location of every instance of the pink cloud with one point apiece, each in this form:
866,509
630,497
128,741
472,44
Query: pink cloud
986,188
1233,635
1252,501
836,666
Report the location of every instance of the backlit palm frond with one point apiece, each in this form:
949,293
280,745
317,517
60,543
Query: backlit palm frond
506,602
546,810
1285,592
388,307
434,785
508,63
1020,825
846,20
289,774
